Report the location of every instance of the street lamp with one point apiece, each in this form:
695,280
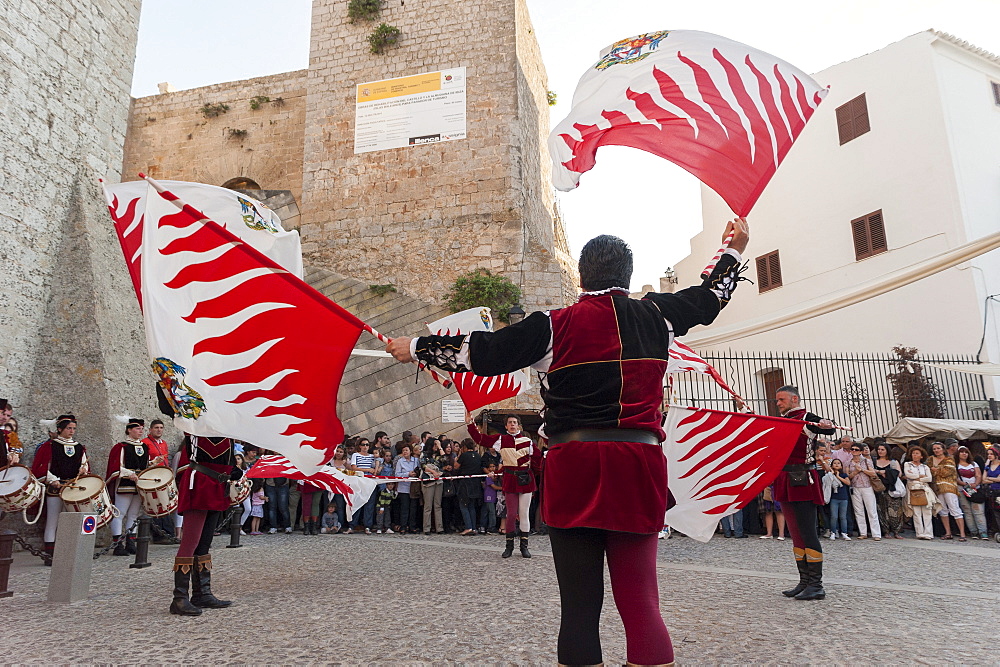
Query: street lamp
515,314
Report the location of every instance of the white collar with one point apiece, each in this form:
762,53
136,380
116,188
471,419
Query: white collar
605,291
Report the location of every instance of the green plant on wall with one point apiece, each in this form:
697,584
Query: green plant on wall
237,134
382,290
365,10
383,37
259,101
214,110
482,288
550,97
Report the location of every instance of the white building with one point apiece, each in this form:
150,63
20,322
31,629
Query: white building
900,163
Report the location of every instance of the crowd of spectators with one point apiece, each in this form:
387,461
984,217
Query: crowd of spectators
441,486
934,488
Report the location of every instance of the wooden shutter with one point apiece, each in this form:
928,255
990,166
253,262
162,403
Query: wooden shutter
996,93
773,380
869,235
768,271
852,119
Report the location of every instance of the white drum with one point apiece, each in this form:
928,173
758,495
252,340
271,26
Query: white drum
239,491
89,495
19,489
158,490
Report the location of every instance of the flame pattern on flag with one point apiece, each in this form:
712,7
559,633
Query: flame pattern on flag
128,227
723,111
356,489
264,350
683,358
477,391
718,461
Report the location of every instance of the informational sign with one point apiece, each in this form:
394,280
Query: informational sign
89,525
410,111
452,412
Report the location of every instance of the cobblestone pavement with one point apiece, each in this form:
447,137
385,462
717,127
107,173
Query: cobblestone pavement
421,600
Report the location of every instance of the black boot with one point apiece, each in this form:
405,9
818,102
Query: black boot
814,589
803,580
50,548
130,544
120,548
201,585
509,551
312,528
524,545
183,572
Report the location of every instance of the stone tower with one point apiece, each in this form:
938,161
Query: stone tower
418,216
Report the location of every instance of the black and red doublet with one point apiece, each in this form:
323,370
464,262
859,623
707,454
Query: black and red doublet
197,490
59,460
601,363
128,456
802,456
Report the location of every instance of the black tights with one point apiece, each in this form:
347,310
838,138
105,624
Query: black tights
579,555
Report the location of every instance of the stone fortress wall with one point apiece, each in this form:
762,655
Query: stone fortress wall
71,336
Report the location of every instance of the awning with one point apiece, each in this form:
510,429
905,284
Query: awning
914,428
977,369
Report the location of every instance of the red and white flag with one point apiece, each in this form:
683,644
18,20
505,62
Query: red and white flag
477,391
683,358
244,216
722,110
243,348
718,461
355,488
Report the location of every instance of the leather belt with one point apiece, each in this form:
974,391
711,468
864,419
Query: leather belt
213,474
605,435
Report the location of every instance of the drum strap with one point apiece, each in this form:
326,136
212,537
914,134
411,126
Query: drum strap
217,476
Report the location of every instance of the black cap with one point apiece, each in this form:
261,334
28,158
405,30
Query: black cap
4,403
133,421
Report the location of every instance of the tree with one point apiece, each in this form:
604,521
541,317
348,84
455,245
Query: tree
482,288
916,394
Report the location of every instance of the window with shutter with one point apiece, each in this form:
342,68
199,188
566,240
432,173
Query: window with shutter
996,93
869,235
852,119
768,271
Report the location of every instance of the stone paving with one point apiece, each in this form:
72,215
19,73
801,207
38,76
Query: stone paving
444,600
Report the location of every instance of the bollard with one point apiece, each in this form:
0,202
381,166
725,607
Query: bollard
142,543
73,558
234,529
6,559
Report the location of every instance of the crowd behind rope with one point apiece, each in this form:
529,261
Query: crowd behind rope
944,489
933,488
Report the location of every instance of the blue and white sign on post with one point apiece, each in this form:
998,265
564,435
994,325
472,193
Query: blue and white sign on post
89,525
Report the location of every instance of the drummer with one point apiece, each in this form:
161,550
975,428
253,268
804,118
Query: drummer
128,458
159,454
8,455
58,461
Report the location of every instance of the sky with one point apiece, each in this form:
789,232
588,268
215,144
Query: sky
646,200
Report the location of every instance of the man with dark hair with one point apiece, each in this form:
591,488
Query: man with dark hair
601,363
799,490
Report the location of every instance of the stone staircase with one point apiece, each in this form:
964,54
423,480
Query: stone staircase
380,394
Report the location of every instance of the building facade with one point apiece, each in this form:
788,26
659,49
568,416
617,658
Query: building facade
898,165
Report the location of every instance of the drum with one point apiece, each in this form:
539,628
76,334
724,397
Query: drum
158,490
89,495
239,491
19,489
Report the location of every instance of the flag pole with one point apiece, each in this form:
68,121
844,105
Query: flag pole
715,260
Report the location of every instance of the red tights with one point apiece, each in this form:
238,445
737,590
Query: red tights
579,559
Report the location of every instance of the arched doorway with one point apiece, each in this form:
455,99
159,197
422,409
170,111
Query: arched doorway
241,183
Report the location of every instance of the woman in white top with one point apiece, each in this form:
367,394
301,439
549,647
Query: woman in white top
861,471
918,478
970,478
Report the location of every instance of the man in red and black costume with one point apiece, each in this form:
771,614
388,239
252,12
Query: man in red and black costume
601,363
520,462
206,467
59,460
799,490
127,459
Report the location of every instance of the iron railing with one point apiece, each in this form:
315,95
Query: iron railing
850,389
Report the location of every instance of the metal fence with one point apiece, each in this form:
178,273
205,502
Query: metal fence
850,389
